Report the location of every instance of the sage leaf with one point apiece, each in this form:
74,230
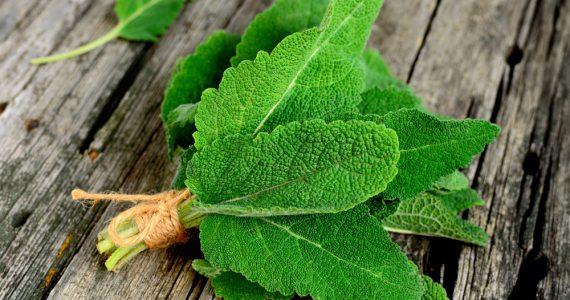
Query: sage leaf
141,20
312,74
301,168
327,256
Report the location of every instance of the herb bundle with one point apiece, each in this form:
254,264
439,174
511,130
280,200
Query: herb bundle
298,151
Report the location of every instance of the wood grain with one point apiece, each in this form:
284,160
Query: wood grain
93,122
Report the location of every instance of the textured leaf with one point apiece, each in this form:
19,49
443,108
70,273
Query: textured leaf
146,20
329,256
190,77
431,148
204,268
435,214
452,182
382,101
459,200
300,168
313,74
185,156
270,27
179,126
433,290
377,73
233,286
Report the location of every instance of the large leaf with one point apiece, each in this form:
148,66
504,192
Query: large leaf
270,27
329,256
313,74
432,148
192,74
301,168
435,214
233,286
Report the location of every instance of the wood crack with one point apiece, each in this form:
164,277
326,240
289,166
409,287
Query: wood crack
423,42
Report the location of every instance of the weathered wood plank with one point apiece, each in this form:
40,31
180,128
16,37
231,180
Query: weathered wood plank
457,73
172,276
525,172
99,129
72,99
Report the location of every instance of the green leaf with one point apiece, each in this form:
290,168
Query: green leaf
452,182
377,73
433,290
328,256
204,268
192,74
179,126
435,214
380,102
431,148
313,74
183,161
270,27
230,285
301,168
141,20
459,200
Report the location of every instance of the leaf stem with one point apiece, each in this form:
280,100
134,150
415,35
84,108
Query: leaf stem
114,33
118,256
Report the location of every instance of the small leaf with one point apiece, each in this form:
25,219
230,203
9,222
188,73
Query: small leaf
180,176
270,27
452,182
204,268
431,148
435,214
380,102
433,290
301,168
328,256
313,74
192,74
141,20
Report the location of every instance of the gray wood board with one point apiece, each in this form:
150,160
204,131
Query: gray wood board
98,128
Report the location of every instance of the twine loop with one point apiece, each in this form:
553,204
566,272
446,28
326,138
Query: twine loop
156,217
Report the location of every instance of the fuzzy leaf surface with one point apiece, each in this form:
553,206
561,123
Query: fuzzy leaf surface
233,286
435,214
452,182
192,74
312,74
310,167
431,148
328,256
146,20
270,27
433,290
382,101
377,73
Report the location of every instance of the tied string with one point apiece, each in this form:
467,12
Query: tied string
156,217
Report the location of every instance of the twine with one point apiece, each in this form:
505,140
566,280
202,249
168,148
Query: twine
156,217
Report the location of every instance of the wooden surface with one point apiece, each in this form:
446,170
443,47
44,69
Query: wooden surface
93,122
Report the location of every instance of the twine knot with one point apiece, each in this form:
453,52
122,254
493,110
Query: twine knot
156,217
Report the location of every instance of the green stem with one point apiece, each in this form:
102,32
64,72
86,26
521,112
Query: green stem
118,256
114,33
122,255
